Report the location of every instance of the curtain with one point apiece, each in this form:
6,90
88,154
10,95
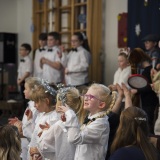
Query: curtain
143,19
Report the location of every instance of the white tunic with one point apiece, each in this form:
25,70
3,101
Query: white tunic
25,66
50,118
92,140
37,69
77,64
121,76
54,144
49,73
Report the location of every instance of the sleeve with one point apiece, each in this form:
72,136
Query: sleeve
28,65
90,134
47,141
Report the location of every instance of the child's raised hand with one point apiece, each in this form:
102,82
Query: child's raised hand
120,91
45,126
34,153
112,87
126,91
63,109
11,121
18,124
153,72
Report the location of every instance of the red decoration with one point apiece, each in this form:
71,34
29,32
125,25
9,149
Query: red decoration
122,30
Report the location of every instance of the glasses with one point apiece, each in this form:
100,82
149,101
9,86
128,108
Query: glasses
89,97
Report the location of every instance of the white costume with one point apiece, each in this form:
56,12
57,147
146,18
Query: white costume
77,64
121,76
50,74
27,128
25,65
54,144
38,55
50,117
92,141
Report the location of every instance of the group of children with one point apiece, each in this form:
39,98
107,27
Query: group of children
62,124
53,63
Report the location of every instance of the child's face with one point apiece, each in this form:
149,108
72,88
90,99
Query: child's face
41,106
149,45
42,43
92,101
122,62
75,42
51,42
26,91
23,52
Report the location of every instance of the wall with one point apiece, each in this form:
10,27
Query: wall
8,16
113,8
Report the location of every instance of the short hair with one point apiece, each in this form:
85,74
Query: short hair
55,35
27,47
43,36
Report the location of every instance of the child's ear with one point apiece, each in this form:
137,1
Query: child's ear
47,101
102,105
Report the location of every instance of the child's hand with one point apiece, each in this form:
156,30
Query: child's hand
120,91
45,126
13,120
112,87
66,71
63,117
153,72
126,91
29,114
63,109
34,153
18,124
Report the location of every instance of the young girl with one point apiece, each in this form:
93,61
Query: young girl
53,143
124,69
92,140
131,140
10,144
77,61
44,97
26,126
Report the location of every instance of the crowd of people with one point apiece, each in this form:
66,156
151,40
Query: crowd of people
78,121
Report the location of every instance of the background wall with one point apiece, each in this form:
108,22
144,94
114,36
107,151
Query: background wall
16,16
113,8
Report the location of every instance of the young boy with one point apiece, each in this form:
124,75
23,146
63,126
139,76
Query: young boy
151,46
39,54
50,62
25,66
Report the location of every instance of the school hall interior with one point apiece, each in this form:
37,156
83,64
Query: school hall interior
25,19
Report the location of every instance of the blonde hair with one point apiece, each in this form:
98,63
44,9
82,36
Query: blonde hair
41,92
10,145
105,95
73,100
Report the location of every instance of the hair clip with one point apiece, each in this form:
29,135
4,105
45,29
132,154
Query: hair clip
126,51
140,119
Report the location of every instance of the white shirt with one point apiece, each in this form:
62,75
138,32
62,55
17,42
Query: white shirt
92,141
25,66
121,76
77,64
50,74
54,143
37,69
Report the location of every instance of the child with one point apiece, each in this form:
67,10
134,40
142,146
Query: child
131,140
25,67
77,61
50,62
10,145
92,140
151,46
39,54
124,69
53,143
44,97
26,126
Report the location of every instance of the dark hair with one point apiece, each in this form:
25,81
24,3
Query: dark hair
82,37
55,35
43,36
27,46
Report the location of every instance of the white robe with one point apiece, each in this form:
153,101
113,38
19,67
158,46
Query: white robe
92,141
